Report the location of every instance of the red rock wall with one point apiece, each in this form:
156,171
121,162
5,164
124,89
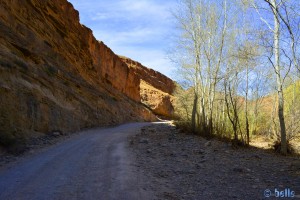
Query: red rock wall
54,75
154,78
115,72
55,25
156,89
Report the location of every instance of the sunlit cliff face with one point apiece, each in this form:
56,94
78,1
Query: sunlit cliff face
54,74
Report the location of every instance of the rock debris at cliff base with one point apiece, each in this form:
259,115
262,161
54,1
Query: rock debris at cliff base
181,166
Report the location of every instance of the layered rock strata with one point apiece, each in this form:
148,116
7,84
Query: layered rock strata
55,76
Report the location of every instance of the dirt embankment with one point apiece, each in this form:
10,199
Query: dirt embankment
181,166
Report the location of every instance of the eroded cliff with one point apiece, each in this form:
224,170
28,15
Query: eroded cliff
156,89
55,76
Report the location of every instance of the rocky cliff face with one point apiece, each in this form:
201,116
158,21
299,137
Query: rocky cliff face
54,75
155,88
49,32
161,103
154,78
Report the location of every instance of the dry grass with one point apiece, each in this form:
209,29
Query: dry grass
266,143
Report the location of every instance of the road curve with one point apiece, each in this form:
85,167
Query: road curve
92,165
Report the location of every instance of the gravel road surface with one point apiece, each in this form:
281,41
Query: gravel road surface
94,164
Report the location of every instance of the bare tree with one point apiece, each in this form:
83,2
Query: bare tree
218,64
232,101
280,24
247,55
203,26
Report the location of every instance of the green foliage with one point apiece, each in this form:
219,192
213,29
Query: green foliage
292,110
292,97
183,104
184,126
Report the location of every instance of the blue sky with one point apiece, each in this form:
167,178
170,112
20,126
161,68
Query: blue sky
138,29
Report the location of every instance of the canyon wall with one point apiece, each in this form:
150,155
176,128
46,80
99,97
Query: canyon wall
156,89
49,33
55,76
154,78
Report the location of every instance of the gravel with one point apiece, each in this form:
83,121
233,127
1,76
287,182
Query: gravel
179,166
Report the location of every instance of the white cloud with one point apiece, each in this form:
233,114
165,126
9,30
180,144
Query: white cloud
134,28
136,36
146,8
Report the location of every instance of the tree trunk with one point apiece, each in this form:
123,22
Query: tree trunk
279,80
194,112
246,107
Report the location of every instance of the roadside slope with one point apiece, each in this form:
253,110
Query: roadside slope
179,166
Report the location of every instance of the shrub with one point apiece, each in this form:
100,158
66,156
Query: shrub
184,126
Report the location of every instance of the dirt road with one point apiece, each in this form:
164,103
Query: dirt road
92,165
148,161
